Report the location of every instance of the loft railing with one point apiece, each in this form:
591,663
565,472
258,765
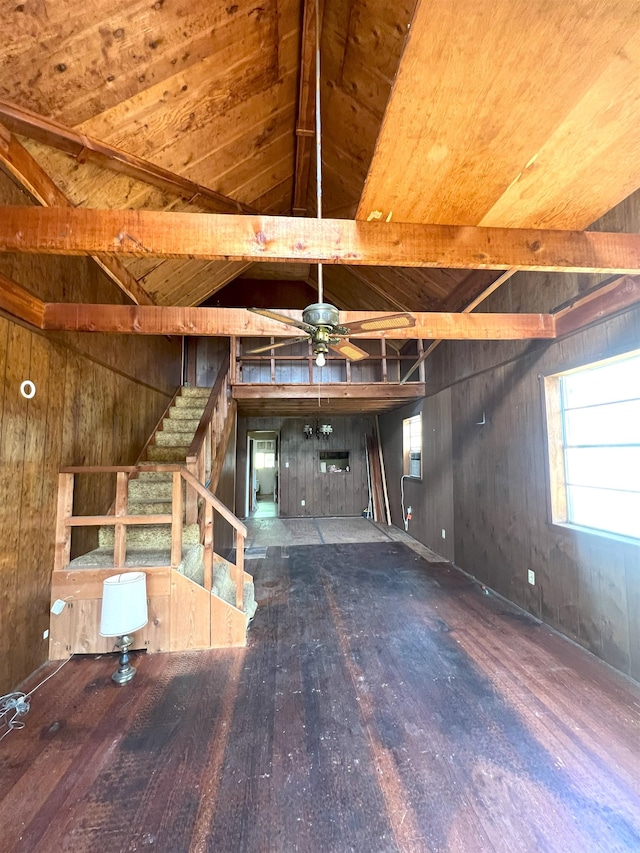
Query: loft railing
297,365
121,519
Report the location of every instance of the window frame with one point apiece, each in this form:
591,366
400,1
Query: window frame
556,446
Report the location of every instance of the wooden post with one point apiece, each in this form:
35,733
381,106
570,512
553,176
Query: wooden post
272,363
239,570
234,356
421,366
63,531
176,520
208,546
120,530
383,353
191,514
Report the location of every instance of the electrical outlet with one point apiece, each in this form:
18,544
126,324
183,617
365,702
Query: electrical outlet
531,577
45,635
444,533
303,503
286,464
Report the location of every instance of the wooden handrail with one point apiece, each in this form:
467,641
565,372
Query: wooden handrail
207,415
215,502
120,520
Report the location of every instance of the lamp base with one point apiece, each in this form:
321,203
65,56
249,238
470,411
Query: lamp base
125,670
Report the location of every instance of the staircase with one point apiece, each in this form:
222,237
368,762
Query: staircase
197,617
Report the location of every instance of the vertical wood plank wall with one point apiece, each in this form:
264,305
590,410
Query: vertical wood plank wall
431,499
343,494
97,399
587,585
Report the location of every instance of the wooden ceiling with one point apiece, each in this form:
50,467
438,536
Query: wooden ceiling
515,113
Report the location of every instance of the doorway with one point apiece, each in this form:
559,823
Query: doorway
262,474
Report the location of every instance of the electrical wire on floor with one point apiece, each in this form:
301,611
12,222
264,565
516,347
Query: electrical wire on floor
16,704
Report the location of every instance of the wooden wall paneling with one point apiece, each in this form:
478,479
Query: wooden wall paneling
324,494
432,498
30,553
208,353
12,444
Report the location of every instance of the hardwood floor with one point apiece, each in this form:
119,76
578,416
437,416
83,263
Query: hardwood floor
384,704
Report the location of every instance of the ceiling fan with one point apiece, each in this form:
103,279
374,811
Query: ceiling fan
321,321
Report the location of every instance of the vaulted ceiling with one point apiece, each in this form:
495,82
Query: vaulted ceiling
515,113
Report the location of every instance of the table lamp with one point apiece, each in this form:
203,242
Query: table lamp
124,610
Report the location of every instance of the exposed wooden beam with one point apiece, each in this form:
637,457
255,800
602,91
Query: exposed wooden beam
84,148
305,122
603,301
160,320
272,238
32,177
18,302
333,390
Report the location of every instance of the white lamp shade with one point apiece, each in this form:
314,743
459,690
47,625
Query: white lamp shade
124,604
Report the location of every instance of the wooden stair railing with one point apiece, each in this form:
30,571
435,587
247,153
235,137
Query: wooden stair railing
212,434
66,521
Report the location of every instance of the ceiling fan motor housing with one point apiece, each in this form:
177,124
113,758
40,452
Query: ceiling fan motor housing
321,314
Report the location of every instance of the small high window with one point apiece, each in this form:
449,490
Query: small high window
593,422
412,446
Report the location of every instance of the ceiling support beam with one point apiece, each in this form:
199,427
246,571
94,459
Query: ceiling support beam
31,176
18,302
210,236
305,122
85,149
604,301
160,320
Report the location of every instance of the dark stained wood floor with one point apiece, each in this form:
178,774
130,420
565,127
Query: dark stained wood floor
383,704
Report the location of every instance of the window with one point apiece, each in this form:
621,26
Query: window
593,419
412,446
265,454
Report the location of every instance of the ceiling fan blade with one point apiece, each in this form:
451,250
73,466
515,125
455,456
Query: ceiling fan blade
281,318
289,342
349,350
379,324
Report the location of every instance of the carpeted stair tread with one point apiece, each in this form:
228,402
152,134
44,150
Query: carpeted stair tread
150,507
192,391
149,537
152,490
169,438
185,414
180,425
194,404
156,453
102,558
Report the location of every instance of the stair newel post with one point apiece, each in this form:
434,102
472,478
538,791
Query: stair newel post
239,569
176,520
120,530
208,546
62,556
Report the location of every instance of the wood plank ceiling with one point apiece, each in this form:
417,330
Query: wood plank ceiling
516,113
